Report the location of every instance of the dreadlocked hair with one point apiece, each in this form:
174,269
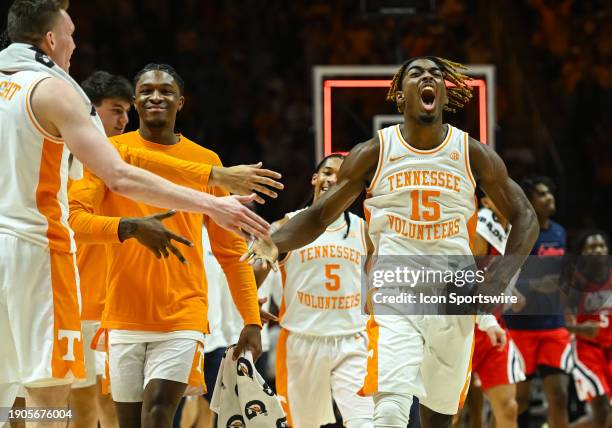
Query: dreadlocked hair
347,217
586,234
574,261
458,94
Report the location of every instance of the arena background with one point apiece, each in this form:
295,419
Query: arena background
248,63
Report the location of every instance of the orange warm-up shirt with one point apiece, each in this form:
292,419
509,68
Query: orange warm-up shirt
91,258
144,293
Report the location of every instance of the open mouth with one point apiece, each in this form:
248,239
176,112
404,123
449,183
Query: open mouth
428,98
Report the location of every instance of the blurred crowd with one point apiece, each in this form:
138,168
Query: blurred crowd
247,66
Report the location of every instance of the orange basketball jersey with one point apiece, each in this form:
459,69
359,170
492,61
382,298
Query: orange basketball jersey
144,293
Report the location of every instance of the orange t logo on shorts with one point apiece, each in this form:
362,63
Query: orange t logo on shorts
72,336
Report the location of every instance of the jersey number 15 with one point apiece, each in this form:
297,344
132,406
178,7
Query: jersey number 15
423,208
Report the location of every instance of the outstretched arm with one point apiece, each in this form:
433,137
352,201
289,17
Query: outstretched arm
354,176
262,270
62,112
508,197
240,179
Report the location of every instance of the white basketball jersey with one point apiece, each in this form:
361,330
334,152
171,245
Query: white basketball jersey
33,169
321,282
422,202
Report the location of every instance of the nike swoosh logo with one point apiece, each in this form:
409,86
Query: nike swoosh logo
371,353
396,158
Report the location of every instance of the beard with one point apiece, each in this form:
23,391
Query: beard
426,119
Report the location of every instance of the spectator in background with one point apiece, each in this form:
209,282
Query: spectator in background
543,339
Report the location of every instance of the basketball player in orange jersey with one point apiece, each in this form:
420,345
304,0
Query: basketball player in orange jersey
321,352
155,310
420,179
112,98
43,114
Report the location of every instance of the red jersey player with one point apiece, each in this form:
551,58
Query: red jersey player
591,291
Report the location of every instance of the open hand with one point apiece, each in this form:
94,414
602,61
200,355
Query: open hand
247,179
230,213
264,250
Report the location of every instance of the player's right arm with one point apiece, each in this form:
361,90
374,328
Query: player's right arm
354,176
492,176
62,112
239,179
261,271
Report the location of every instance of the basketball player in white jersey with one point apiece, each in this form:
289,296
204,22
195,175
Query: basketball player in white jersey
111,96
420,179
42,116
322,348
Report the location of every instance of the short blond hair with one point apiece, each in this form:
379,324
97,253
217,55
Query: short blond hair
29,20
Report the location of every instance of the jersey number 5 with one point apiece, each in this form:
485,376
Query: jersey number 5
423,208
604,321
334,284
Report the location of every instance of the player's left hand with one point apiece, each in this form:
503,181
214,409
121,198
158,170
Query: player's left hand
264,250
497,336
247,179
250,339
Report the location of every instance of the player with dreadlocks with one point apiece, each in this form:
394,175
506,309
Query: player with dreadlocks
458,94
420,178
589,287
322,351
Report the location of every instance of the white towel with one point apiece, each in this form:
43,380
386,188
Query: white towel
25,57
242,399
